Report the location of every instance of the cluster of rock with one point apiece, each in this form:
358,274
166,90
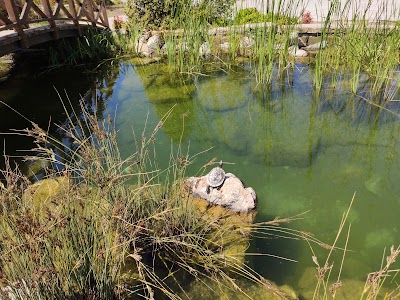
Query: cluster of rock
151,44
223,189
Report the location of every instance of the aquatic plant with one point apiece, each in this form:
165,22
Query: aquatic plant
354,46
92,46
374,287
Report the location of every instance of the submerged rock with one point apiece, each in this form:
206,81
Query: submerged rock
40,197
222,94
375,184
348,289
212,289
6,65
231,194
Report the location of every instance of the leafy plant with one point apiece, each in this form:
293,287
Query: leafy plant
252,15
306,19
169,13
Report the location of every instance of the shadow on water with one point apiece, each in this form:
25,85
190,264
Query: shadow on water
37,95
275,256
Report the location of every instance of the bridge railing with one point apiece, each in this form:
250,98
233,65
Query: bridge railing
18,15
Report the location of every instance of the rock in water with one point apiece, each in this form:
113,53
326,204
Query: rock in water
375,184
316,46
231,194
294,51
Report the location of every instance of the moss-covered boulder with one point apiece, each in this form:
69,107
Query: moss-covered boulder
172,95
222,94
40,197
348,289
164,87
265,290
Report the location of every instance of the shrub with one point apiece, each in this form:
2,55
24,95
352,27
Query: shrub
252,15
169,13
307,19
249,15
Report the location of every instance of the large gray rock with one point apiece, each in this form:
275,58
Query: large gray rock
154,43
316,46
205,50
296,52
231,195
246,45
225,47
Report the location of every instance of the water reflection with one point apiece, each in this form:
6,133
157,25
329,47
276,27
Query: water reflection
300,151
40,96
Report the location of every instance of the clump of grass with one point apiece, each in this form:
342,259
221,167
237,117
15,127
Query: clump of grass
361,47
376,280
92,46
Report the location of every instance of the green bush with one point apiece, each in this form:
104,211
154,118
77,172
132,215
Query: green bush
169,13
249,15
153,13
216,12
252,15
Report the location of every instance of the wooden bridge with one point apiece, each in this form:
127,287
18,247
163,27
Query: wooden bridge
24,24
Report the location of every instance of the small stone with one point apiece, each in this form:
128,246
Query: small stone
246,42
143,49
225,47
316,46
205,50
301,43
296,52
154,43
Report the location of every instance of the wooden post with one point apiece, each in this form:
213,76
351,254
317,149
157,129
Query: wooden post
90,4
49,14
103,11
72,10
13,15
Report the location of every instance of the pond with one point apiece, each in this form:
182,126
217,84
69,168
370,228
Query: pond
303,154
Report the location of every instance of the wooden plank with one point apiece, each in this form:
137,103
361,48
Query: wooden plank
4,20
13,15
103,12
38,11
90,5
49,14
18,19
3,16
26,10
72,10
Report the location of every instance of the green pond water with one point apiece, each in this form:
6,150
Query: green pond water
300,153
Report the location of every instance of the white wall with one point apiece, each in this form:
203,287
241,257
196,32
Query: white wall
376,9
